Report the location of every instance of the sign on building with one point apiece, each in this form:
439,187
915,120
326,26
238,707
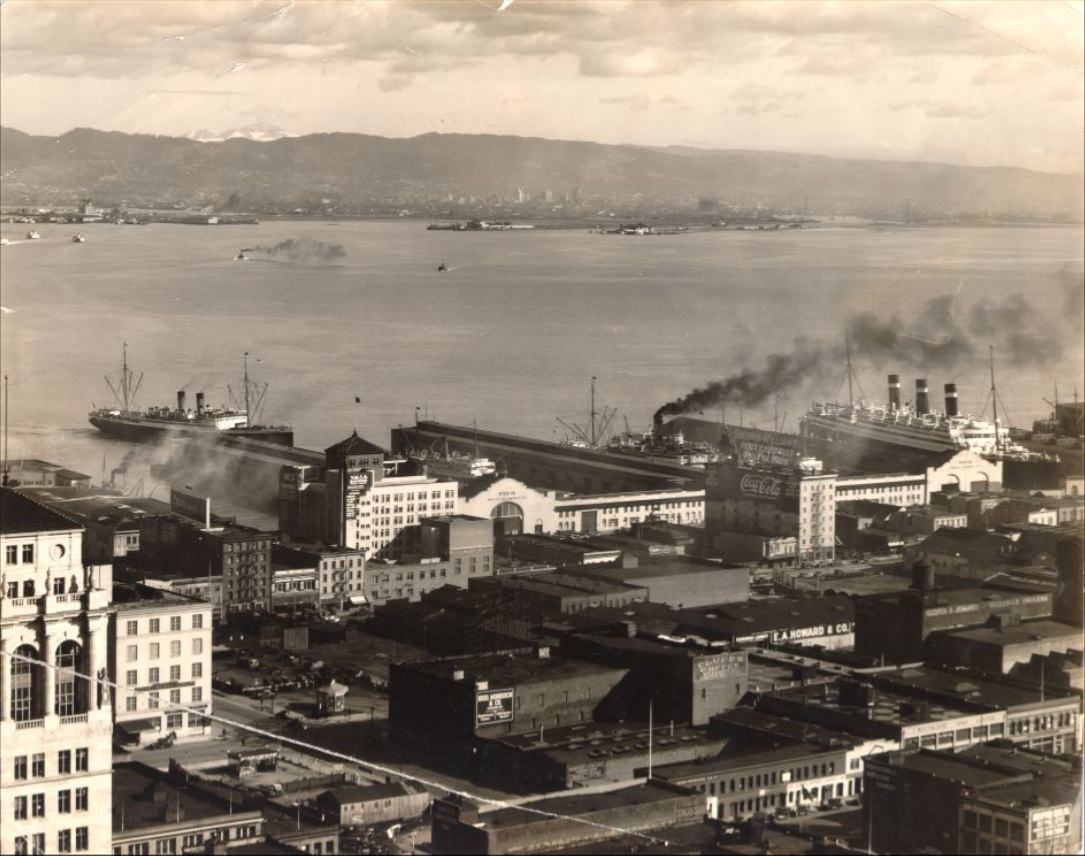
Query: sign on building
493,706
190,505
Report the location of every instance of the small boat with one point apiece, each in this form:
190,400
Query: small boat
4,242
33,235
442,267
78,239
242,257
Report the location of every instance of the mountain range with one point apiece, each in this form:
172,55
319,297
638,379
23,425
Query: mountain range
358,170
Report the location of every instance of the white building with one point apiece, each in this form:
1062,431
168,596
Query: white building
160,656
55,727
900,489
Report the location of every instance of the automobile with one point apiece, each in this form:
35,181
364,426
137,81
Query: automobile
835,803
803,810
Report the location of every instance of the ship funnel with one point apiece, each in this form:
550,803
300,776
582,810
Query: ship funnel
894,392
180,401
922,397
199,403
951,399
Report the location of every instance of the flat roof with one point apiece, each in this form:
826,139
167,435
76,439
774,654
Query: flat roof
97,505
754,616
144,797
566,545
21,515
499,669
967,686
1029,631
562,584
133,596
582,805
743,758
596,740
657,569
887,704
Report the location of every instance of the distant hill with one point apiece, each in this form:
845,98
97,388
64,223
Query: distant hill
358,169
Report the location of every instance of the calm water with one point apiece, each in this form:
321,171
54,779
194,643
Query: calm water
510,335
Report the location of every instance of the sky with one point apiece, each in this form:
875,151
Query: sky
980,83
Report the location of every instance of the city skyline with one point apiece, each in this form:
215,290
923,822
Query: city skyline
977,84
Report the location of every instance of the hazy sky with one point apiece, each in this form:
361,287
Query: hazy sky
981,83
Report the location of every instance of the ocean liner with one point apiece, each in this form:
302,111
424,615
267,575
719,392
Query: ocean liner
128,423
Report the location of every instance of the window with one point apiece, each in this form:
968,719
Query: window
39,842
20,840
28,553
197,670
64,801
197,646
197,621
20,766
152,701
64,841
175,720
131,677
197,693
132,653
11,554
81,760
38,764
175,622
175,696
175,648
82,838
20,808
155,626
131,703
153,675
37,805
175,673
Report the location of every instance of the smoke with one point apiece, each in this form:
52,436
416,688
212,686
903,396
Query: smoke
938,338
304,250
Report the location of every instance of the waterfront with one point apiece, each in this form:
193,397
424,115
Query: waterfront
510,335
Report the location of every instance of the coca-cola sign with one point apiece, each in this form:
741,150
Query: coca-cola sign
760,484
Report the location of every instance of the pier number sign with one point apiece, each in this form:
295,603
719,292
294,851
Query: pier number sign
493,706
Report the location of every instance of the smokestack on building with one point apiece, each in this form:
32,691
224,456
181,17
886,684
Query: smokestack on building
951,399
199,402
922,576
922,397
180,401
894,392
657,422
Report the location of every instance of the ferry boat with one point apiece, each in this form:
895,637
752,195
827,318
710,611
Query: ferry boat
33,235
128,423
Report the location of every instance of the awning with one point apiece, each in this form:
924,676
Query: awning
358,600
135,726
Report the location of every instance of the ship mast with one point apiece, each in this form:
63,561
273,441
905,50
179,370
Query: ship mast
128,383
6,459
847,350
994,395
593,435
246,382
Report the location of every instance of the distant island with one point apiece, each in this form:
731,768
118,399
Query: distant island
462,177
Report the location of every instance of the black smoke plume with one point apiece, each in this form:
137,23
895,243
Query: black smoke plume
943,341
303,250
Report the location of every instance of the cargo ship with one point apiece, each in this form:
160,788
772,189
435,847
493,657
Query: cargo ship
148,425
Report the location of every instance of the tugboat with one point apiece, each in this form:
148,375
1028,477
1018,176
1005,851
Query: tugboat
241,257
151,424
33,235
442,267
78,239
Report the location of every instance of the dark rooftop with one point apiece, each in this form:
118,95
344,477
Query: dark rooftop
19,515
742,758
583,805
349,794
656,569
129,596
145,797
95,504
1029,631
499,668
354,445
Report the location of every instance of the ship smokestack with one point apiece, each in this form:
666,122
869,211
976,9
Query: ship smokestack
922,397
180,401
199,403
894,392
951,399
657,421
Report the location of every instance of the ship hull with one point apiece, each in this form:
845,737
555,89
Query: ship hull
147,431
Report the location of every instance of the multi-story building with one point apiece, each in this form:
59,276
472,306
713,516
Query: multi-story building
340,571
160,657
770,514
55,709
899,489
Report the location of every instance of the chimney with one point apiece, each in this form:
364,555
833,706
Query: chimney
657,421
180,401
199,403
922,576
922,397
951,399
894,392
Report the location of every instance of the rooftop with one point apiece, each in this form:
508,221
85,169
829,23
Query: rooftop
145,797
95,505
501,669
132,596
365,793
656,569
742,758
1018,634
889,707
354,445
991,691
578,744
562,584
583,805
20,515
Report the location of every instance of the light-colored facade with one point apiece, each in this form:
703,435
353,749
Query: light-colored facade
900,489
160,654
611,512
55,727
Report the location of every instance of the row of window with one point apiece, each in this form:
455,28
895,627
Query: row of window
947,738
35,804
154,650
154,625
36,842
131,703
13,551
36,765
131,676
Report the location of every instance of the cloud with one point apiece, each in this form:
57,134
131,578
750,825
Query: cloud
954,111
641,102
395,82
758,108
645,63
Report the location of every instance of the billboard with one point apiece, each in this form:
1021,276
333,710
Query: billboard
190,505
493,706
770,485
717,666
756,447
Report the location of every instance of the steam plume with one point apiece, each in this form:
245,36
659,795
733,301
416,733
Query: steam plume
303,250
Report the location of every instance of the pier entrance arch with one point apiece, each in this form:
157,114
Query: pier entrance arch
508,518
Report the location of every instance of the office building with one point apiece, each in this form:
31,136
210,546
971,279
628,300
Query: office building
160,657
55,726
